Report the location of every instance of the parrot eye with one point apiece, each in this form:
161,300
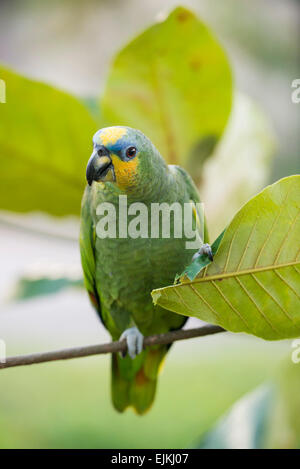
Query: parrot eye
101,152
131,152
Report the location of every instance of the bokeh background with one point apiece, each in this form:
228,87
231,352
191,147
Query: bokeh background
70,45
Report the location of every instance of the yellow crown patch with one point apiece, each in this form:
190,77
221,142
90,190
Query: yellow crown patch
111,135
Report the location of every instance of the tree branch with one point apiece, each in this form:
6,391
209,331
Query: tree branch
112,347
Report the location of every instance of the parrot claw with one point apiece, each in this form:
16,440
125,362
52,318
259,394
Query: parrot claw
206,250
134,340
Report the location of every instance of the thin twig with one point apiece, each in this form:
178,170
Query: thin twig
112,347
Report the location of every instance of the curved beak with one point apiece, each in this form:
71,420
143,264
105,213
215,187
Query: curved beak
100,167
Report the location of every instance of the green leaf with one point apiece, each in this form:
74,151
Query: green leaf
28,287
240,165
245,425
192,270
45,141
174,83
253,284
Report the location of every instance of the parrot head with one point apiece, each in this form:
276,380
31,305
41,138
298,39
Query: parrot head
123,156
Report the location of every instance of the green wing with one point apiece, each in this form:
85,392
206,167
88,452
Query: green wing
194,197
87,250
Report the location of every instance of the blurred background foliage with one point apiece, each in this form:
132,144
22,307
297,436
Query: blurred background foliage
188,86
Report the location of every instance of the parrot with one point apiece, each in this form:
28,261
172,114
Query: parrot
121,271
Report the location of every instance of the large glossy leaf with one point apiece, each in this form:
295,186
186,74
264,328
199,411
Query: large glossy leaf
173,82
45,141
240,165
253,284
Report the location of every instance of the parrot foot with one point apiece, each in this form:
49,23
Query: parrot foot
206,250
134,340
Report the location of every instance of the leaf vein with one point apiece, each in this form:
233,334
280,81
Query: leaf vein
272,297
285,281
204,301
230,304
234,274
247,244
231,243
286,237
272,227
256,306
182,300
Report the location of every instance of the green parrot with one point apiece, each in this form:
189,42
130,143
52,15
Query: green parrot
120,271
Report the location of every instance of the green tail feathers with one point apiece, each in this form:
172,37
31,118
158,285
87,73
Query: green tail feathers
134,381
